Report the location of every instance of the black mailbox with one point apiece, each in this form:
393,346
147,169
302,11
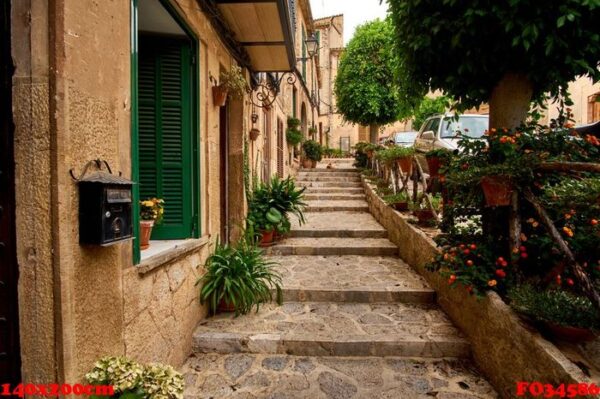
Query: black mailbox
104,209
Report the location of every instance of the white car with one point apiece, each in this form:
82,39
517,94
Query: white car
441,132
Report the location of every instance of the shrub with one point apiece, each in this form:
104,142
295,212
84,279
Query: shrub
293,136
555,306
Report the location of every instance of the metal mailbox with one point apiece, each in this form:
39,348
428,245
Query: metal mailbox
105,209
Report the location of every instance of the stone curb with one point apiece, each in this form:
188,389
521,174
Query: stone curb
504,348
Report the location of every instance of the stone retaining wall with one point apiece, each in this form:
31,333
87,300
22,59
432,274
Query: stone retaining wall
504,348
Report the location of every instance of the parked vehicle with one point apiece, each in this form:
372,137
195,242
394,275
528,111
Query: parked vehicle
441,132
404,139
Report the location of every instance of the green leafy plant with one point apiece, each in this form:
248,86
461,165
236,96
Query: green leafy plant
239,275
396,198
293,136
390,155
427,108
293,123
334,153
312,150
555,306
132,380
422,204
234,81
360,154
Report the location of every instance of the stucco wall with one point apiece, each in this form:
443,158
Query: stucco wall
580,89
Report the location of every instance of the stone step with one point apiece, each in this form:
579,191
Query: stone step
336,173
334,329
324,170
337,184
334,190
334,197
358,279
329,179
244,375
338,224
337,206
334,246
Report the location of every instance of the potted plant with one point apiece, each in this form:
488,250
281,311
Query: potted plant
399,201
435,160
312,131
151,213
313,152
565,315
403,157
132,380
423,212
497,190
232,84
263,220
293,123
238,278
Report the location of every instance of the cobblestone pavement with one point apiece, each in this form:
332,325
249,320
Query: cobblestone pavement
272,376
357,321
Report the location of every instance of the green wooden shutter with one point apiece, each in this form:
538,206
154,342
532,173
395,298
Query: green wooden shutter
165,132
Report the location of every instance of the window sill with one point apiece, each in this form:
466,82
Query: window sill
162,253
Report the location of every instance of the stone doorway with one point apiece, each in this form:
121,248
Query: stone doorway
10,360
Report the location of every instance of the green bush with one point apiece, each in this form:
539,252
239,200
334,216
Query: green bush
293,136
312,150
391,154
555,306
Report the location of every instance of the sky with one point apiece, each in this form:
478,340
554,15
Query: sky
356,12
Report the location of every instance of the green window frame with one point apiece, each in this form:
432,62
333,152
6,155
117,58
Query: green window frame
190,169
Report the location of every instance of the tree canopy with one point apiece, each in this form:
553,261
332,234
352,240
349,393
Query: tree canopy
465,48
365,88
429,107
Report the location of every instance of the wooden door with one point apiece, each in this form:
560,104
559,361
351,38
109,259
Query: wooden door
224,171
10,363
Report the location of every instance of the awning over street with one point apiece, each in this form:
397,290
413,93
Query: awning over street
263,29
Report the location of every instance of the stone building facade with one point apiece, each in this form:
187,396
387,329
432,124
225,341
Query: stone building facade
97,80
585,95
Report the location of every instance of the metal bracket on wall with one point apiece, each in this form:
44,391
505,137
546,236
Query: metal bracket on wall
264,92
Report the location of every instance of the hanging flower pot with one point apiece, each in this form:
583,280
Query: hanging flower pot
266,238
254,133
497,190
405,165
434,164
570,334
219,95
145,233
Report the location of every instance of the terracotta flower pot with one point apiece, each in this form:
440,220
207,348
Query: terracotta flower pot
425,216
225,307
145,233
400,206
313,164
497,190
434,164
405,165
306,163
266,238
570,334
219,96
254,133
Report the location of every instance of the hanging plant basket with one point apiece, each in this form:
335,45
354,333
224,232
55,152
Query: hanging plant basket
219,95
405,165
497,190
254,133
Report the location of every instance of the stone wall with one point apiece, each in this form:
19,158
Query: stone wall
505,349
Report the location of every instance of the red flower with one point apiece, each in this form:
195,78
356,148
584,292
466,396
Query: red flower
522,248
524,255
500,273
469,263
570,282
452,279
473,247
558,280
466,251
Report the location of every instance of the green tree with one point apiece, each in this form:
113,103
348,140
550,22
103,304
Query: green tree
429,107
365,88
507,53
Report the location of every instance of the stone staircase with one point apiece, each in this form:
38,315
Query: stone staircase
357,322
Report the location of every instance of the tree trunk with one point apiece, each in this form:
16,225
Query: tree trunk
510,101
374,133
